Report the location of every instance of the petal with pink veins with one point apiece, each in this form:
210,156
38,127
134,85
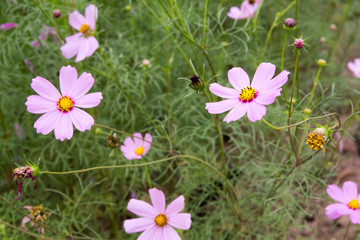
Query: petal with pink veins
263,75
89,100
275,83
223,92
46,123
266,99
81,119
255,111
170,233
175,206
68,77
238,78
350,190
158,199
151,233
336,210
180,220
142,209
138,224
91,14
222,106
336,193
82,85
45,89
76,20
237,112
37,104
64,127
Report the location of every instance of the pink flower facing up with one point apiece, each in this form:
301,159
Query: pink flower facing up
246,10
348,199
8,26
354,67
82,44
137,148
61,110
246,98
155,221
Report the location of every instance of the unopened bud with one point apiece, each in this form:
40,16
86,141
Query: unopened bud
321,62
299,43
290,23
322,39
146,63
128,7
196,83
98,131
307,110
332,27
57,13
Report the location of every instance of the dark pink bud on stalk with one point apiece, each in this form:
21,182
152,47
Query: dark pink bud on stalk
57,13
290,23
299,43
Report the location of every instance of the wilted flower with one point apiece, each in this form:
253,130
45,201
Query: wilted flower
82,44
348,199
29,171
354,67
61,111
196,83
8,26
246,98
246,10
155,221
137,148
113,140
37,214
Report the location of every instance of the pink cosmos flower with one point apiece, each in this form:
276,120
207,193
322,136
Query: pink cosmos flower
61,110
348,199
246,98
82,44
354,67
155,221
246,10
8,26
137,148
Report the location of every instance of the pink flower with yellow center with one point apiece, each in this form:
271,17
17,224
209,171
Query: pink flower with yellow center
82,44
246,98
348,199
137,147
246,10
61,110
354,67
157,222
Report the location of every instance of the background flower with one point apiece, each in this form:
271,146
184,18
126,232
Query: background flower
136,148
354,67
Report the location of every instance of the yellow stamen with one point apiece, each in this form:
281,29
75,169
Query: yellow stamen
316,140
84,28
139,150
65,104
354,204
161,220
247,94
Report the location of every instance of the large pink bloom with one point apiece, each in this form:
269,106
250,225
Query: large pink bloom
246,98
137,148
348,199
82,44
61,110
246,10
155,221
354,67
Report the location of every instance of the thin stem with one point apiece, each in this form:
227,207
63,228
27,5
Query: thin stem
293,85
347,230
314,86
296,17
283,50
147,173
204,27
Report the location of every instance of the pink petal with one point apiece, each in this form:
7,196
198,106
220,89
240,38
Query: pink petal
68,76
45,89
237,112
91,14
83,50
73,37
24,221
81,119
157,199
142,209
355,217
236,13
64,127
46,123
41,230
223,92
175,206
138,224
151,233
92,46
147,143
266,98
275,83
37,104
89,100
128,149
336,193
71,48
238,78
76,20
263,75
170,233
180,221
82,85
334,211
350,190
255,111
222,106
138,139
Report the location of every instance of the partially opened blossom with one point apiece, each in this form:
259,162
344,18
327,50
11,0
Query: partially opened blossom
354,67
37,214
348,202
136,147
8,26
82,44
61,110
246,98
157,222
246,10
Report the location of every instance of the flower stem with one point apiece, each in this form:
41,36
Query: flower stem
293,85
296,17
283,50
347,230
147,173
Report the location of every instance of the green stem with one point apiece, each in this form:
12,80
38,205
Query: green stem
347,230
283,50
314,86
293,85
296,18
147,173
204,27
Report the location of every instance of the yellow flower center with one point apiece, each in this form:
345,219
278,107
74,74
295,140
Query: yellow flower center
160,220
315,140
139,150
247,94
84,29
354,204
65,104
